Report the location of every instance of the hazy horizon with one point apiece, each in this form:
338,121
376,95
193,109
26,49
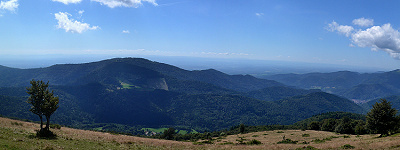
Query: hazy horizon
226,65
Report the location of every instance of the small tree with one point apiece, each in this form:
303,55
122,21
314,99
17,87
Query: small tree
49,106
241,128
168,134
382,118
43,102
37,98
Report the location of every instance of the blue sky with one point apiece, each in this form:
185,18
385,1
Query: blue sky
357,33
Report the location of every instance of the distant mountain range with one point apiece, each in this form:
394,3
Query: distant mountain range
139,92
352,85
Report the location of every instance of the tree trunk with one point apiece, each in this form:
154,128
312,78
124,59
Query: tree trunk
41,122
48,123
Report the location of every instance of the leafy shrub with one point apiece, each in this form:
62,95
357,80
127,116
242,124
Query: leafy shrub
305,135
241,141
307,148
253,142
347,146
226,143
280,132
305,142
255,136
55,126
318,141
222,134
287,141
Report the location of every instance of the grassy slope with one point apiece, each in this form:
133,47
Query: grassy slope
20,135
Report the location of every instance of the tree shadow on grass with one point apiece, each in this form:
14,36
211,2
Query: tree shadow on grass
43,134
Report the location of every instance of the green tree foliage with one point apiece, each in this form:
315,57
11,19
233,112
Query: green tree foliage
382,118
168,134
315,125
242,128
360,128
328,125
36,98
345,126
43,102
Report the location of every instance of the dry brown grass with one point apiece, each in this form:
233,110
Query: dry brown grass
269,139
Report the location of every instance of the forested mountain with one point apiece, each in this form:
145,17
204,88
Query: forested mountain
352,85
139,92
394,100
278,93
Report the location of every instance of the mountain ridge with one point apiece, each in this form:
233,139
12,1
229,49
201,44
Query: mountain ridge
139,92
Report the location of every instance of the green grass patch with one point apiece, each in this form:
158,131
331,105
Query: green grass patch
17,139
182,132
394,135
305,135
157,130
129,86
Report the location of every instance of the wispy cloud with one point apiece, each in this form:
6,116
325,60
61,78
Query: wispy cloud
124,3
363,22
259,14
126,31
66,2
342,29
10,5
71,25
224,54
383,37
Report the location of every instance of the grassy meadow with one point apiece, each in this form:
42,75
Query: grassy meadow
16,134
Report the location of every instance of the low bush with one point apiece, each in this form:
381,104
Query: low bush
287,141
55,126
307,148
254,142
347,146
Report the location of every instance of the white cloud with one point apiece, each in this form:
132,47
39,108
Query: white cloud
383,37
363,22
379,37
259,14
125,3
125,31
10,5
71,25
66,2
81,12
343,29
